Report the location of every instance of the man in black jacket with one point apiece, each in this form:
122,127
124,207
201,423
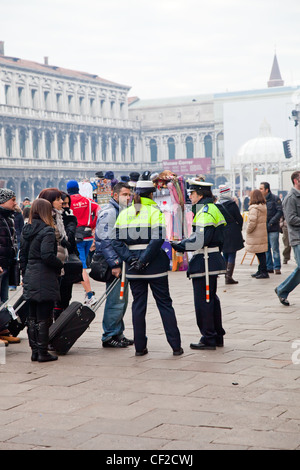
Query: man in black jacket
274,214
8,248
8,239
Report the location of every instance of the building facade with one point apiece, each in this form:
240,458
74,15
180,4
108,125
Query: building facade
183,128
58,124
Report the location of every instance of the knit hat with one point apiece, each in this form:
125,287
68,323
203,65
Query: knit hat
224,190
6,195
72,187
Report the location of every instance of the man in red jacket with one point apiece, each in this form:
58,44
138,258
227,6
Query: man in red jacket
85,210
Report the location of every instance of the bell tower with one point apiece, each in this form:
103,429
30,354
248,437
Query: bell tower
275,77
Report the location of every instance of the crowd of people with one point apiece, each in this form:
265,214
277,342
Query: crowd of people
127,234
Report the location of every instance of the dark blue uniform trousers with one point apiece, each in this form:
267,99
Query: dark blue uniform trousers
161,294
208,314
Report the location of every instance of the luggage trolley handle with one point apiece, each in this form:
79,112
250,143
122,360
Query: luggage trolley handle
4,305
106,293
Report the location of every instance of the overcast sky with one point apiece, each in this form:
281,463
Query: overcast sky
160,48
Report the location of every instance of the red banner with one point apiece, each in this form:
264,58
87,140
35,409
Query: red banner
188,167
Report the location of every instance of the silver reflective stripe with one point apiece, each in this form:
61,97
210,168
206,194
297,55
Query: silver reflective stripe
209,250
211,273
145,276
137,247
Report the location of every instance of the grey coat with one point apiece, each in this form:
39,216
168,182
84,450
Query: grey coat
291,210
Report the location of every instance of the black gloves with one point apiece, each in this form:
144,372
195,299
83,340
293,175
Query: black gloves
177,246
137,265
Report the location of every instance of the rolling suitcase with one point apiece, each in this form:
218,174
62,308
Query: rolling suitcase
21,309
73,322
14,317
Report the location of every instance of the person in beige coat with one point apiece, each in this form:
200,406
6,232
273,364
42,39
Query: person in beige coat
256,233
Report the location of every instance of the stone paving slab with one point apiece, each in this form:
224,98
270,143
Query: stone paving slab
243,396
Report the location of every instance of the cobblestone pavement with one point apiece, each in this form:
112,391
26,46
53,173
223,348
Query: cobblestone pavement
242,396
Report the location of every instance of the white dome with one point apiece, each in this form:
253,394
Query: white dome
262,149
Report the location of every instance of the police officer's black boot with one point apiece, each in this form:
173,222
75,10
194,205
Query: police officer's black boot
32,338
229,272
42,342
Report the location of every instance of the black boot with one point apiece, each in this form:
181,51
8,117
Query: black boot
32,337
229,273
42,342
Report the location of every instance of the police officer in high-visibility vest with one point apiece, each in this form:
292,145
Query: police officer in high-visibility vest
140,233
207,263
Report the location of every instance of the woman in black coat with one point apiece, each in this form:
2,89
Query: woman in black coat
40,268
233,239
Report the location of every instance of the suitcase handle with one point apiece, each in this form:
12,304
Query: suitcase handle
106,293
4,305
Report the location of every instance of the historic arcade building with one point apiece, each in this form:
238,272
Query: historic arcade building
58,124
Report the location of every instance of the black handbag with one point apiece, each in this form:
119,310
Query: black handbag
14,275
100,270
73,269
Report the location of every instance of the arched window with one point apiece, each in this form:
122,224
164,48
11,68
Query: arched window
72,142
35,143
48,140
8,141
62,185
123,148
82,146
60,142
114,148
11,185
189,144
22,142
37,188
94,147
153,150
103,147
220,145
25,190
171,148
132,149
208,146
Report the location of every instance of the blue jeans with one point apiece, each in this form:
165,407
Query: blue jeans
293,279
114,311
273,244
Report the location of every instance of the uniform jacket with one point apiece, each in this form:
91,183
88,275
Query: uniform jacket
208,230
146,228
105,232
8,239
233,239
291,209
256,234
38,259
274,212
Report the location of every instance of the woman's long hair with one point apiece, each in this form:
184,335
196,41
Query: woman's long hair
41,209
256,197
50,194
